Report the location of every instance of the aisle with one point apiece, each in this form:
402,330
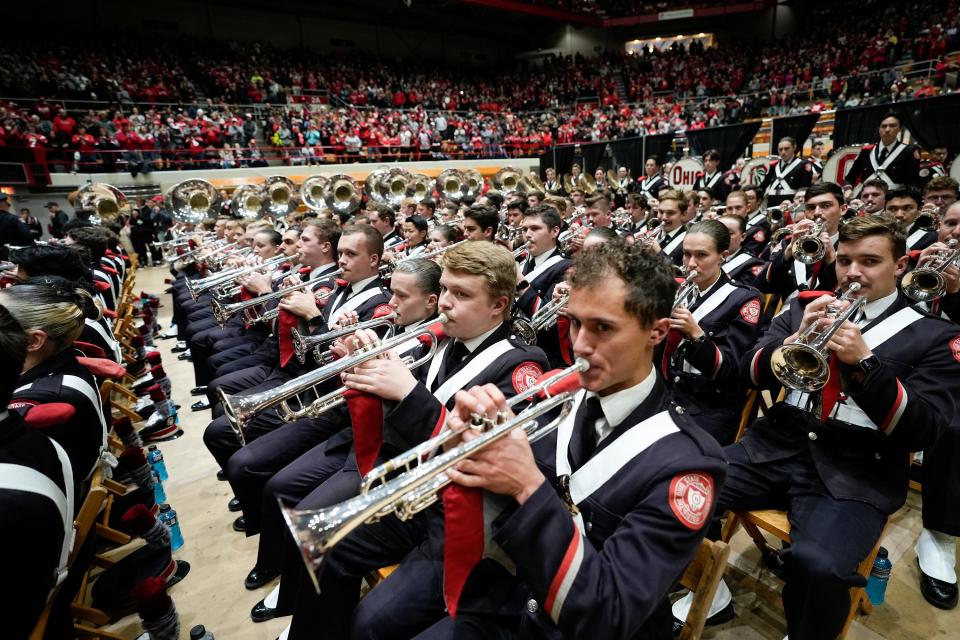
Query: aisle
213,593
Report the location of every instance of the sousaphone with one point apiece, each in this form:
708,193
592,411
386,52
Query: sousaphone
342,195
282,195
192,200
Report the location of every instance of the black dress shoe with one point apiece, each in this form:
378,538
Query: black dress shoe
234,505
262,613
942,595
221,475
724,615
200,405
240,524
185,356
198,391
256,579
179,348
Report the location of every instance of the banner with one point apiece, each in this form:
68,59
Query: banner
797,127
730,140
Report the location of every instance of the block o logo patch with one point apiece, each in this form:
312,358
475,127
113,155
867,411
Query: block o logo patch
955,348
751,311
691,499
525,376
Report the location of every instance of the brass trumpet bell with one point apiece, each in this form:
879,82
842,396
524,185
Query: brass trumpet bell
342,194
451,183
105,200
312,192
247,201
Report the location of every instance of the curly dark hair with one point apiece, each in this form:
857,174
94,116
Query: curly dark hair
651,287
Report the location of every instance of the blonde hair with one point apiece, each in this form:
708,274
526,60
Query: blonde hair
490,261
57,312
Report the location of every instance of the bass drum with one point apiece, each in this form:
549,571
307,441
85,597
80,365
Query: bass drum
684,173
755,171
839,163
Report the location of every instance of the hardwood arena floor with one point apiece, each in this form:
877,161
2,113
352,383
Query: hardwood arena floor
213,594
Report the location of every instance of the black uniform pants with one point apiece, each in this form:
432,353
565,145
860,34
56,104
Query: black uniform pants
403,605
252,466
829,537
941,483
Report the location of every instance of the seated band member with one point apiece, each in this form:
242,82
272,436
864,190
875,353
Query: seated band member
838,460
478,288
739,266
415,233
296,458
53,318
359,250
903,205
785,274
35,489
757,235
441,236
598,213
936,546
701,356
540,272
670,214
642,477
480,222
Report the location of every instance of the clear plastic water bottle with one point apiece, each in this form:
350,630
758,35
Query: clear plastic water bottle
200,632
155,457
169,517
879,575
159,496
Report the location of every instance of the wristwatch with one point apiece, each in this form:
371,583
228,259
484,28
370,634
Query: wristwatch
869,364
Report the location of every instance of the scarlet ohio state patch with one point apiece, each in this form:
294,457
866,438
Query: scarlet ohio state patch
22,404
691,497
756,269
321,294
751,311
525,376
759,235
382,310
954,349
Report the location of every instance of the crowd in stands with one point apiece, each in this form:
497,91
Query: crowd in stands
168,107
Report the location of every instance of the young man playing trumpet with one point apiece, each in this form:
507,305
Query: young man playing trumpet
477,292
638,477
837,459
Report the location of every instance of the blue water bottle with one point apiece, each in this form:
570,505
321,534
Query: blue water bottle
159,496
879,576
155,457
169,518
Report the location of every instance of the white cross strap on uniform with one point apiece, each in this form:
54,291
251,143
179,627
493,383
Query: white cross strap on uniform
471,370
540,268
607,462
780,186
351,304
735,262
706,306
673,244
880,169
915,237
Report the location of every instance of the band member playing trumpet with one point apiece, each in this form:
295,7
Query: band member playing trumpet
313,457
478,288
837,458
670,215
638,475
415,235
936,546
790,271
360,290
700,358
739,265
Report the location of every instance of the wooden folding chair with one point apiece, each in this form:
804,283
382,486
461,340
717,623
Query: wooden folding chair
702,577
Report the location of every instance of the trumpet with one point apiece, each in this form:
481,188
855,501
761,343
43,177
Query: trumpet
303,344
223,312
546,316
198,287
387,269
656,234
565,239
805,364
928,218
508,234
687,293
807,247
417,487
240,410
927,282
519,251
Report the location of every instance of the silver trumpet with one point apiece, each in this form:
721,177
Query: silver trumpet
807,247
687,293
304,344
240,409
805,364
417,487
223,312
927,282
198,287
546,316
386,270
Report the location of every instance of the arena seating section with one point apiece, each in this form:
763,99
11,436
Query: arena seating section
201,104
